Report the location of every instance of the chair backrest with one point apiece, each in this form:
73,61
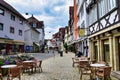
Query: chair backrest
15,71
40,63
27,64
83,63
107,70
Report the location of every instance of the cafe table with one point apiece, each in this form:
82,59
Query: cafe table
29,61
9,66
96,65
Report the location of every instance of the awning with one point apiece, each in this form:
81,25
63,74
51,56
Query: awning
36,43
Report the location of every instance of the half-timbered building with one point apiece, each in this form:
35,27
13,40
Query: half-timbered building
104,28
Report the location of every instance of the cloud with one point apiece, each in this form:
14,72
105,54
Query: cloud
54,13
50,31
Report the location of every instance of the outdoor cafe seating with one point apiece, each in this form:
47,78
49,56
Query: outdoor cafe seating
14,72
94,69
39,66
105,73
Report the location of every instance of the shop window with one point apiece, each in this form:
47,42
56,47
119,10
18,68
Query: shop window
106,49
95,51
118,48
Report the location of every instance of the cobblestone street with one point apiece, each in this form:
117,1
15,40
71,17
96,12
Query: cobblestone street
55,68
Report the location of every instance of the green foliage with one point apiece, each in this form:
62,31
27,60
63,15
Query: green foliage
71,48
65,46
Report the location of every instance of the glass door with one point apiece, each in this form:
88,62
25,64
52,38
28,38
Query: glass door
118,40
106,49
95,51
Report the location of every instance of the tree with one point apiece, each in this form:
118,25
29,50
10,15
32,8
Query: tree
65,46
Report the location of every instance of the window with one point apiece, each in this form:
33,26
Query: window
96,51
105,6
12,17
34,25
1,27
93,15
20,32
21,21
106,49
12,30
2,11
82,11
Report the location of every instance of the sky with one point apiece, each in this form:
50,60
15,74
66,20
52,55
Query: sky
54,13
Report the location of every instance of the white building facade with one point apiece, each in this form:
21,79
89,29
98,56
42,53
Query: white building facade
31,39
82,25
11,29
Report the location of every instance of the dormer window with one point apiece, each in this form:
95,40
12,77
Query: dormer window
2,11
34,25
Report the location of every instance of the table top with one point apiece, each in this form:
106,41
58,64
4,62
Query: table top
29,61
97,65
83,60
9,66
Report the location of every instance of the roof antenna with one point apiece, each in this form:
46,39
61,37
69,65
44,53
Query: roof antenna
32,15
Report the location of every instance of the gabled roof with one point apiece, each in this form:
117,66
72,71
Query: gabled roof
10,8
32,19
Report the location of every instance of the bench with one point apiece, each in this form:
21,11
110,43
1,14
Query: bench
116,74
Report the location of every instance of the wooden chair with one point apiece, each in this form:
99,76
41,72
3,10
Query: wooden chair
105,74
28,66
39,66
1,77
75,61
14,72
82,64
85,70
20,65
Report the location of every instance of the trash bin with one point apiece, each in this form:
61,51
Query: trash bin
61,53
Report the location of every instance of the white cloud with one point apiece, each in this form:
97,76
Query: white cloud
55,17
50,31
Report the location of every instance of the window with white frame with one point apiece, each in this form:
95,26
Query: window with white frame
21,21
34,25
20,32
12,17
1,27
93,15
2,11
82,11
105,6
12,30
